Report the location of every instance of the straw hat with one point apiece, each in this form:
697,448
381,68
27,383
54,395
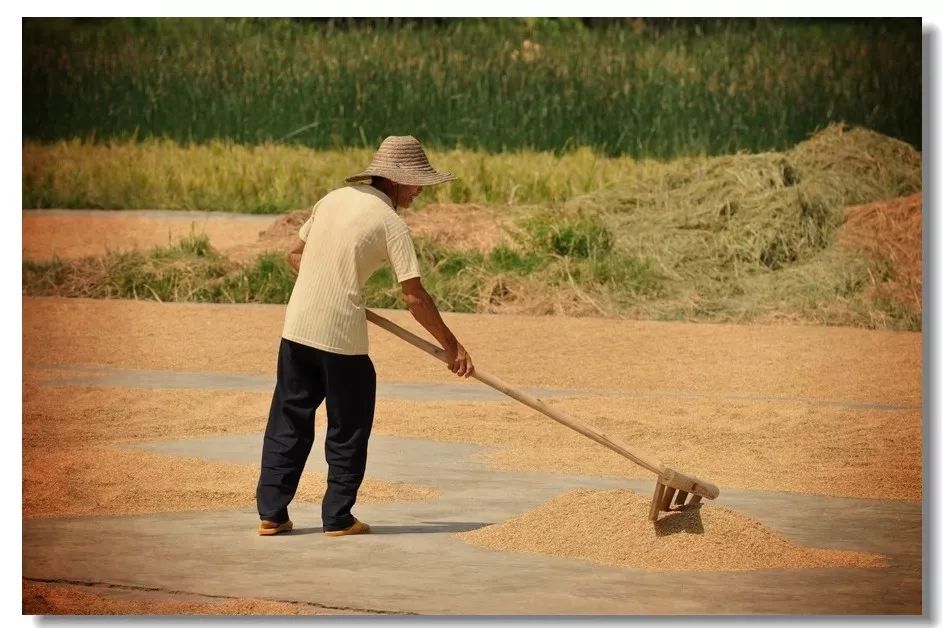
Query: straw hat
400,158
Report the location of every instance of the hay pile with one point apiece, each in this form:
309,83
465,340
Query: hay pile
751,237
612,528
745,213
891,231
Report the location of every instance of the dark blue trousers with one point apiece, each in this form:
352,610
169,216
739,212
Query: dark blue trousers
306,377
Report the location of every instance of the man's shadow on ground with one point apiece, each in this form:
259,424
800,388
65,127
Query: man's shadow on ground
425,527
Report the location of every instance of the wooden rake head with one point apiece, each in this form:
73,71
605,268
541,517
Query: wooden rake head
678,491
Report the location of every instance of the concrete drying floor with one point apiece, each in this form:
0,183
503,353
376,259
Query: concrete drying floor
413,563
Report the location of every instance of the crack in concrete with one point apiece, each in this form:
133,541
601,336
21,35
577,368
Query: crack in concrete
134,587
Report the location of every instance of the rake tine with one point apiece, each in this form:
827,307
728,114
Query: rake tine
656,501
694,500
668,496
681,498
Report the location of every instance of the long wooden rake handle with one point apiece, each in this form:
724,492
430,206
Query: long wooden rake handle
645,460
666,476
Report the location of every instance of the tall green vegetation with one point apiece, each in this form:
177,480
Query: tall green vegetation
492,84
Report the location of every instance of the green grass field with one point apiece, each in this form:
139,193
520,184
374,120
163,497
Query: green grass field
496,85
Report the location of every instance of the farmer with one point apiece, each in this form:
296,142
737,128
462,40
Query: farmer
351,233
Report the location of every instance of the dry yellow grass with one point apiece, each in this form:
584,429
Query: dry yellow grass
611,527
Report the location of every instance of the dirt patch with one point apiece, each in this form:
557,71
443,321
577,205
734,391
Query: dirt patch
611,528
280,236
464,227
41,598
75,481
48,235
890,231
843,364
242,238
736,444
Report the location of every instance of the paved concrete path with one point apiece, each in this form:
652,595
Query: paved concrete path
414,564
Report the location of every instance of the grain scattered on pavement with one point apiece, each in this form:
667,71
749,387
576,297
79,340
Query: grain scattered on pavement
612,528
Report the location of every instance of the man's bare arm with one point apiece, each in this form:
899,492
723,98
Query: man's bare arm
424,310
294,255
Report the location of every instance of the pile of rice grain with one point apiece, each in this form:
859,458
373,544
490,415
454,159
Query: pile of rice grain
612,528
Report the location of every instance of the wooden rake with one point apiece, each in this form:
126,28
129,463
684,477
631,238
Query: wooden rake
673,491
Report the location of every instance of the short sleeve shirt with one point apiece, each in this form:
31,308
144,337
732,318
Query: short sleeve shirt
351,233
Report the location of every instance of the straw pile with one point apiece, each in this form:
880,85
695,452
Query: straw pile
612,528
891,231
712,218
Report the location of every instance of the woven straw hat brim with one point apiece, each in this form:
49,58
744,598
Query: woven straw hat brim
402,159
405,177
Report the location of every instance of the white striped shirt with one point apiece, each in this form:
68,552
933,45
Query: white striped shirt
352,232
